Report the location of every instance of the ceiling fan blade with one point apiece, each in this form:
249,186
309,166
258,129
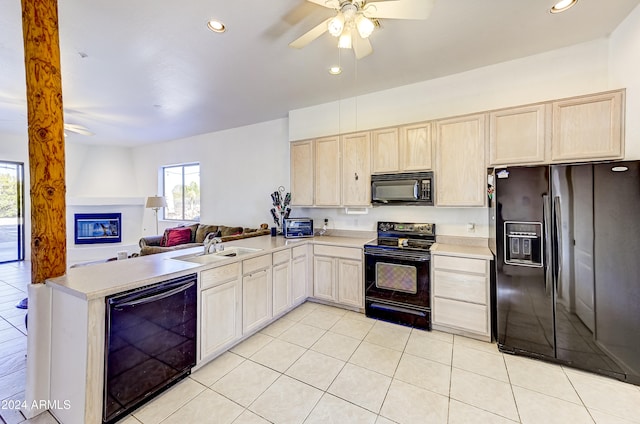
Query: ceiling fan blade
331,4
311,35
78,129
361,46
399,9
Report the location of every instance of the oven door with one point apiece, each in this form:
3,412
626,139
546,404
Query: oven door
397,286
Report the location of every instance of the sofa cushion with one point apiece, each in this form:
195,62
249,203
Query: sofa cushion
203,230
175,236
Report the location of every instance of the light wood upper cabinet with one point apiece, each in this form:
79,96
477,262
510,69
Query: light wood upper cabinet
328,171
302,173
404,149
461,176
356,169
518,135
385,148
415,147
588,127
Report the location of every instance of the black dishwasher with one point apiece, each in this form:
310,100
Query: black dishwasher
150,343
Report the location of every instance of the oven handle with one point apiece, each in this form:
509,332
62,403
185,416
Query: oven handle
120,305
380,253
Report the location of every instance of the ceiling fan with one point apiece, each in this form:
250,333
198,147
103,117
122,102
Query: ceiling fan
355,20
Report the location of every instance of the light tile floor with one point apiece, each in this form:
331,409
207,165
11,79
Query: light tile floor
320,364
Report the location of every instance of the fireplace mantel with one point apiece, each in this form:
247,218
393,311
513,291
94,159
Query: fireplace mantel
105,201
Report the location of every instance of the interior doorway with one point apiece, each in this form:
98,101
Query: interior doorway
11,211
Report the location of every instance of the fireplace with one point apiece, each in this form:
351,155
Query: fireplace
92,228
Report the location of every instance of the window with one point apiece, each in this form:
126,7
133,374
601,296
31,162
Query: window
182,192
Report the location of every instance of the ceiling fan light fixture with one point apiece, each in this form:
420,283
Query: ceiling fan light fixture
336,25
344,42
562,5
365,26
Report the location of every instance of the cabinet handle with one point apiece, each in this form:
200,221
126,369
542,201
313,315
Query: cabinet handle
356,175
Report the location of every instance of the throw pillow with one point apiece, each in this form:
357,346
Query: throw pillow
175,236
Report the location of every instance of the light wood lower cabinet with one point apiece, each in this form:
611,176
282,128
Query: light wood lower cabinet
257,293
220,309
299,274
281,282
337,275
460,295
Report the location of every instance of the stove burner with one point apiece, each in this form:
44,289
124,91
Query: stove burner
401,236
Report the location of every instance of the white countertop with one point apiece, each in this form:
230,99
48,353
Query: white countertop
104,279
477,252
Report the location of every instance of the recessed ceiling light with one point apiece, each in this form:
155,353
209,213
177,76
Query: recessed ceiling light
620,168
216,26
562,5
335,70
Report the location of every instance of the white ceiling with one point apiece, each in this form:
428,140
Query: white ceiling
154,72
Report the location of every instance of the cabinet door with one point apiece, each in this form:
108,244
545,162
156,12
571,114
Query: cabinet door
518,135
589,127
385,147
299,279
221,321
302,173
324,278
415,147
461,175
281,288
350,283
328,171
356,169
256,300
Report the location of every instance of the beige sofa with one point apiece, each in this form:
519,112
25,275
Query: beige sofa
157,244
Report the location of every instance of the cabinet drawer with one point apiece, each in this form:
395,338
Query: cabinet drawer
254,264
338,252
477,266
215,276
470,288
462,315
299,251
281,256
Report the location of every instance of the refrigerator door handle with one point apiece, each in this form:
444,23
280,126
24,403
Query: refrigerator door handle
557,239
546,224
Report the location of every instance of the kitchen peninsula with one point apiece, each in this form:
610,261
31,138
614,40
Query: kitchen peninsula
237,296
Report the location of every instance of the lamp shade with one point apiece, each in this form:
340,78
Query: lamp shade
154,202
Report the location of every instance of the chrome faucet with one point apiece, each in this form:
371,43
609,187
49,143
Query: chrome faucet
211,240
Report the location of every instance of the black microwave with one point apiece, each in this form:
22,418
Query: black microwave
297,227
412,188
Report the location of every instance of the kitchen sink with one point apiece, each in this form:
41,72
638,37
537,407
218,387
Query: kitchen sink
227,253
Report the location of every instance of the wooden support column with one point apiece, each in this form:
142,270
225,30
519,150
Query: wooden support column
46,139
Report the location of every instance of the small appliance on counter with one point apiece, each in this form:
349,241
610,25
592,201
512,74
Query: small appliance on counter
297,227
397,264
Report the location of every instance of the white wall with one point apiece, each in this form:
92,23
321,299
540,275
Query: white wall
625,72
239,168
579,69
100,171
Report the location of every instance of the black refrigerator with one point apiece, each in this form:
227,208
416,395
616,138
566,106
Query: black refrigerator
567,267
